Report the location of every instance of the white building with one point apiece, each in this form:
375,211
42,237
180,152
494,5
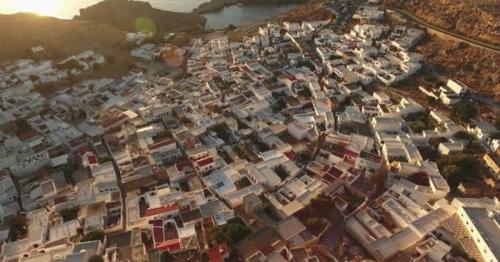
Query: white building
480,217
456,86
449,147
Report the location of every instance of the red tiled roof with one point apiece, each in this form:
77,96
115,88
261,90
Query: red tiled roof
420,178
93,160
59,200
329,178
350,153
189,144
335,172
291,155
158,234
156,222
350,160
338,153
84,150
266,250
170,245
3,173
161,144
182,165
217,253
28,135
343,144
205,161
160,210
114,121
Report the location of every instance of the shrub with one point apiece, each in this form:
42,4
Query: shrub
93,235
465,111
68,214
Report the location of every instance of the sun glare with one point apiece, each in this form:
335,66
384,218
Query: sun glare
41,7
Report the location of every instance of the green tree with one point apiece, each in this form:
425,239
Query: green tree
18,228
306,92
453,174
96,258
277,95
280,105
320,206
110,59
314,224
459,167
233,233
463,135
167,257
204,257
34,78
69,213
497,121
418,126
93,235
230,233
465,111
281,172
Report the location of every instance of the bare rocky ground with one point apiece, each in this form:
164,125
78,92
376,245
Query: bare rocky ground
476,67
475,18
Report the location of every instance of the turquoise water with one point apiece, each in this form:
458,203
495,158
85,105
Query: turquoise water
238,15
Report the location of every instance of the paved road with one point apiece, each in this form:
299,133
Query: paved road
120,186
486,100
466,39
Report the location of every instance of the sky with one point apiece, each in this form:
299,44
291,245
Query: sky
68,8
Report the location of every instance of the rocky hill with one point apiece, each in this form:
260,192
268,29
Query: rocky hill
476,67
128,15
475,18
22,31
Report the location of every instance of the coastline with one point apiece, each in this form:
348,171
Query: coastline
218,5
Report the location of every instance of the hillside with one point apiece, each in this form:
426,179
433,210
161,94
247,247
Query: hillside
475,67
126,15
21,31
474,18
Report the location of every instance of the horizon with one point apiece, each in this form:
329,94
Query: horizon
67,9
242,130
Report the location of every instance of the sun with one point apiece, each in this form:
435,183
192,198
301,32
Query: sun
41,7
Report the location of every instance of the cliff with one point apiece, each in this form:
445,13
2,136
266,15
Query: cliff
125,14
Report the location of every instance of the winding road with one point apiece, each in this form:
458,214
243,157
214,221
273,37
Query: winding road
454,35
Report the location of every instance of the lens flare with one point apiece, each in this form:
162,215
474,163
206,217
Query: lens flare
146,26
